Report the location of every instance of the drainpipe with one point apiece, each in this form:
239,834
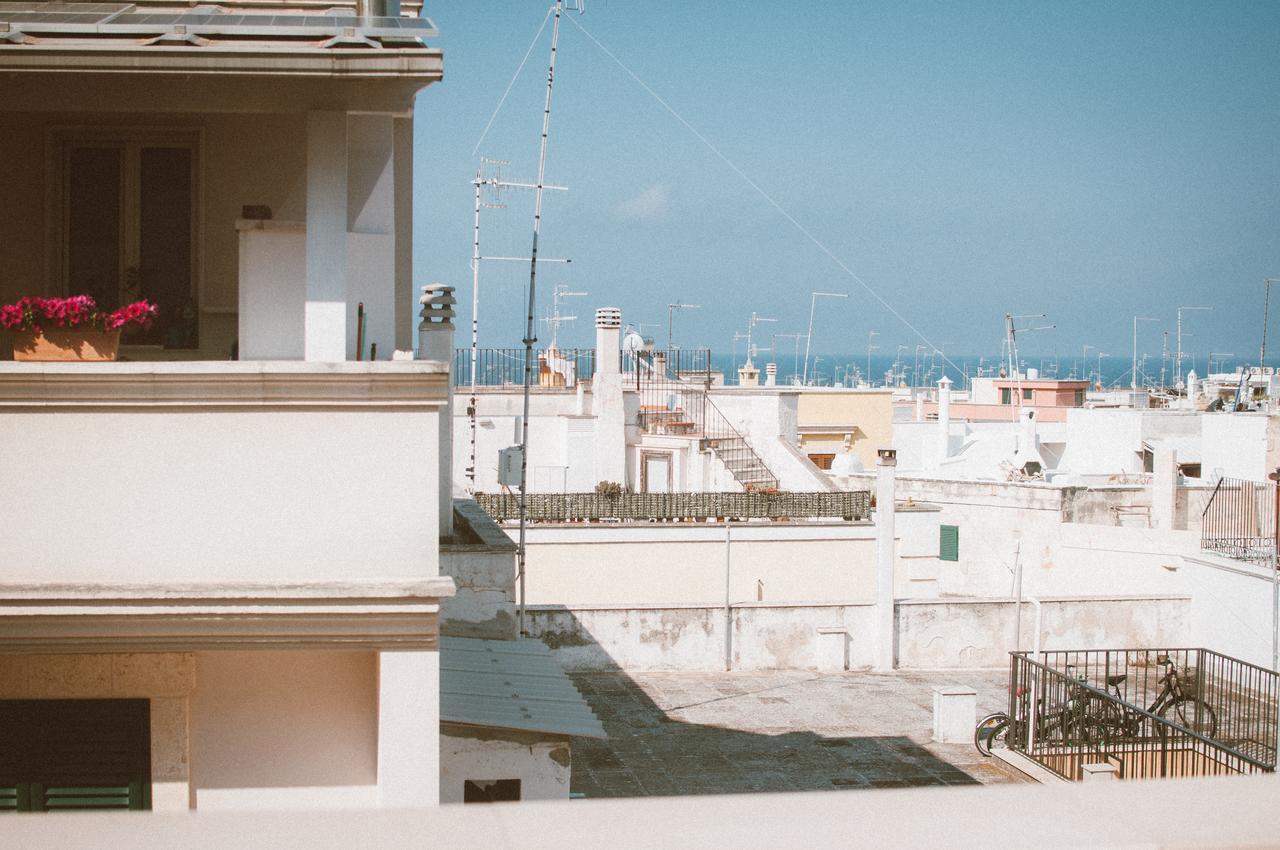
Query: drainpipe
728,611
435,342
944,418
886,467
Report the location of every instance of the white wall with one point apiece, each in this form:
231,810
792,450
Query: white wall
930,634
1236,445
1231,607
541,764
284,729
223,484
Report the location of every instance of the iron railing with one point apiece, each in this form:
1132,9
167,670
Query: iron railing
646,507
1240,521
1110,706
673,393
504,367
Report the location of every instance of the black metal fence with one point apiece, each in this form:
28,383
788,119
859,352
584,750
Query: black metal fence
1239,521
645,507
504,367
1148,712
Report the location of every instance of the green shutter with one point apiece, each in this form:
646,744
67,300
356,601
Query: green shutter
949,543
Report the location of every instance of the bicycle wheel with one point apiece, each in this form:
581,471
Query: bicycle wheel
1191,713
990,732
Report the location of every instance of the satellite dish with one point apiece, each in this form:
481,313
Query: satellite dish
633,343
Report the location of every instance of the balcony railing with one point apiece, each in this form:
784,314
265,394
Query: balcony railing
1239,521
1150,713
504,367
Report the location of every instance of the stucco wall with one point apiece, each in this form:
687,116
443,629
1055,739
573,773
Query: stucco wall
1240,445
930,634
541,763
284,729
1231,607
866,414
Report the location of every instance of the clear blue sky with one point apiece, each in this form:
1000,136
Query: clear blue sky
1085,160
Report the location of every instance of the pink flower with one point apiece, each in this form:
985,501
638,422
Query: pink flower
30,313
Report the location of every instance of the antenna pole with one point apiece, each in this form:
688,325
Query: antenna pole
529,338
1266,303
475,328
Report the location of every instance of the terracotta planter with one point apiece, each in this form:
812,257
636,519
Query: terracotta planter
60,344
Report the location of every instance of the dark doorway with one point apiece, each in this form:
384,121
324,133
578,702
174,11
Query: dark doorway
75,754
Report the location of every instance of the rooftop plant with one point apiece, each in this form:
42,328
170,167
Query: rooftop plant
78,311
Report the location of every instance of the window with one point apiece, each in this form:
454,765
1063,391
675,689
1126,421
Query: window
491,791
68,754
1079,398
1026,395
949,543
822,460
1006,395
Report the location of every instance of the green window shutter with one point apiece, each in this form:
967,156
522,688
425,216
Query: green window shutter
949,543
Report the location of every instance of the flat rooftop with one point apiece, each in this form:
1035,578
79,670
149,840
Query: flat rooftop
716,733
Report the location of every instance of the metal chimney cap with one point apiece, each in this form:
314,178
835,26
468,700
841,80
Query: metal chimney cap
608,317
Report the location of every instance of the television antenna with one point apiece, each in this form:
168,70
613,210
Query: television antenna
813,300
490,185
558,295
1011,331
1177,364
756,319
671,308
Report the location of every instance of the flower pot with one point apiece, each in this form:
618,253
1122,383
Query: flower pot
60,344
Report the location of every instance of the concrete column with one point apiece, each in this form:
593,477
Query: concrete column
886,468
371,228
955,711
607,399
1164,486
944,418
435,342
325,313
1097,771
403,167
408,729
920,407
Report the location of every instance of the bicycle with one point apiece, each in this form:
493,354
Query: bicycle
1060,724
1117,719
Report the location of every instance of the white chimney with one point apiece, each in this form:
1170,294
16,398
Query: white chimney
920,407
435,342
608,341
771,374
944,418
886,467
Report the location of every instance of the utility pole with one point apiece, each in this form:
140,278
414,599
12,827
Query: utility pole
813,300
671,308
1133,382
1177,365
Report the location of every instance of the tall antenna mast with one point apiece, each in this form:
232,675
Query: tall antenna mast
558,294
529,338
1011,344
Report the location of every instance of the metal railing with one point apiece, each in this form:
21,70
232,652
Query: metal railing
673,388
1072,708
504,367
646,507
1240,521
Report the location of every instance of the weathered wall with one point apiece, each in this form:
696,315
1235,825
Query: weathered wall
284,729
481,561
541,763
956,633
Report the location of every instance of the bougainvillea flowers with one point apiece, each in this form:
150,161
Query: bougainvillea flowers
78,311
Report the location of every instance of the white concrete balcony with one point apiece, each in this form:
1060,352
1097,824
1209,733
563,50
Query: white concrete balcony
220,471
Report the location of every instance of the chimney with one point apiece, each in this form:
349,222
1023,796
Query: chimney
886,469
435,342
608,341
771,374
944,418
748,375
920,407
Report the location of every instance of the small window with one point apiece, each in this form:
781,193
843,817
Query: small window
949,543
1026,395
1006,395
491,791
822,460
1079,398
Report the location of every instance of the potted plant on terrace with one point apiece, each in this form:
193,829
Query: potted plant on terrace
69,328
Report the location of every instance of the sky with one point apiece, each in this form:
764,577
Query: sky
941,163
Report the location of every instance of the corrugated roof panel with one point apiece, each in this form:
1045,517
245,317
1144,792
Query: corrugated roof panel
511,684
